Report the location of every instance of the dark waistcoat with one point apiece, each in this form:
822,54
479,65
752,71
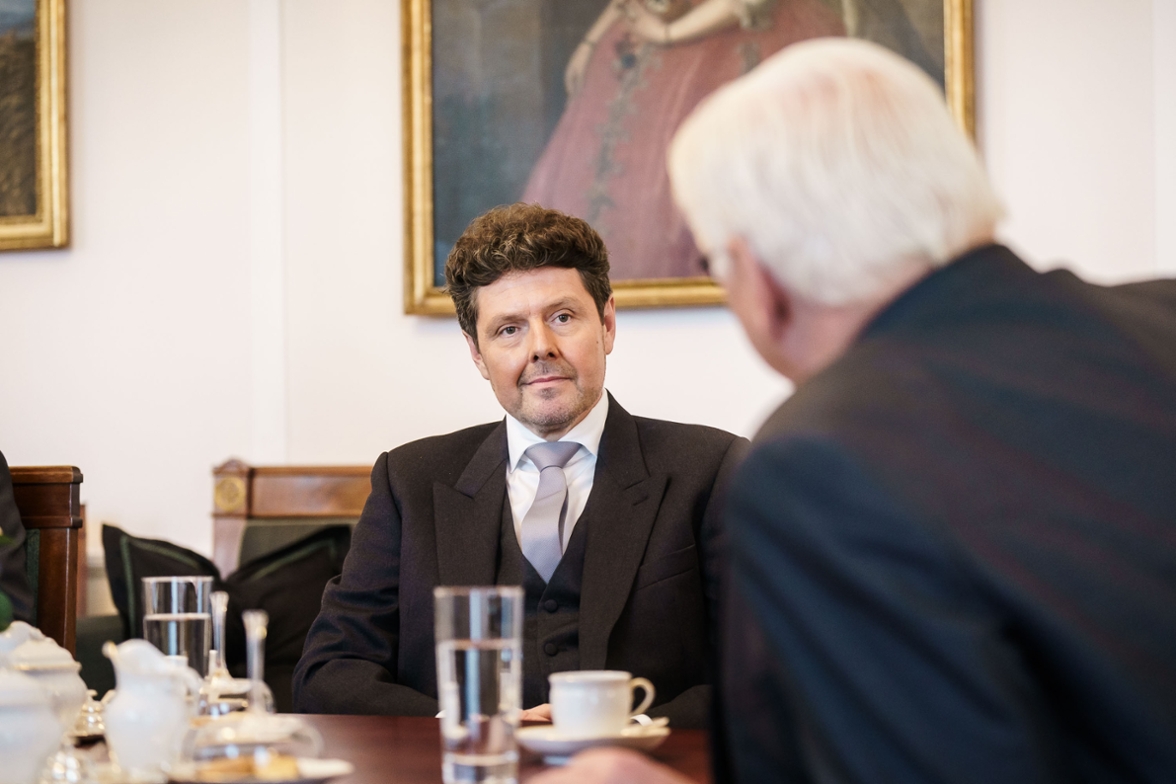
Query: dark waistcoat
551,627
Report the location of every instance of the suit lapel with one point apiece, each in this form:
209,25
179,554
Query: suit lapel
620,514
468,516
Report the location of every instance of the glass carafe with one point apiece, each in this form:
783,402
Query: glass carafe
221,693
254,743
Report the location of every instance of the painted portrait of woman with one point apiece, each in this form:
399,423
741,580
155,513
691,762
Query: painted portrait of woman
638,72
572,103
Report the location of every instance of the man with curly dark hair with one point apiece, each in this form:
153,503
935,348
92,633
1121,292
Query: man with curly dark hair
622,576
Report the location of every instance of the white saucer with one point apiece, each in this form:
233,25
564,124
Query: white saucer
557,749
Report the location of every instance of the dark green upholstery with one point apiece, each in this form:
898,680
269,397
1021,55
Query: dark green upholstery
93,632
288,584
262,537
33,567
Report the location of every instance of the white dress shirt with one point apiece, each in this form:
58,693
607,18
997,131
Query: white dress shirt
522,475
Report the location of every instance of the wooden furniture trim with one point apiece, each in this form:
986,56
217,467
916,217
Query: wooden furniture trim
49,501
242,492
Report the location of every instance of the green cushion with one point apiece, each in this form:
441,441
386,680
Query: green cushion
93,632
130,558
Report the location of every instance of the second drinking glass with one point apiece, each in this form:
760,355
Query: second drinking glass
178,617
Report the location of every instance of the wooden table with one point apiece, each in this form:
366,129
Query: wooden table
407,750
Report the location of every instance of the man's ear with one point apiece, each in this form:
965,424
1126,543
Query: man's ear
476,355
779,306
770,304
609,317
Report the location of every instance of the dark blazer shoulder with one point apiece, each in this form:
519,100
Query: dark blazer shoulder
982,317
669,431
457,441
1160,292
700,454
439,456
861,394
684,440
1144,313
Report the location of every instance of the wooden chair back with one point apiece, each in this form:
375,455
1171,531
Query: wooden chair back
252,495
48,499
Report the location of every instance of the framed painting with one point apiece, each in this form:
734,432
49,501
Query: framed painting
33,204
571,104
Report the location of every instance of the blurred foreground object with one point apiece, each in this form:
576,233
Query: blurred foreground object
147,719
953,549
29,730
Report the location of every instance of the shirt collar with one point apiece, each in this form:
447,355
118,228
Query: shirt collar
587,433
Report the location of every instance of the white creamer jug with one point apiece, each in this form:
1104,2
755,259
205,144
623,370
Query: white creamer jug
27,650
148,717
29,729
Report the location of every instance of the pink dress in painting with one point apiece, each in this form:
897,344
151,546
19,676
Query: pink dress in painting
605,161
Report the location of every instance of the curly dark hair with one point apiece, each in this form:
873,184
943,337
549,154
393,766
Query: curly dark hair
519,238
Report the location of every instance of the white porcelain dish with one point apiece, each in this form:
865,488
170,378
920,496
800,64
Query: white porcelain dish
556,749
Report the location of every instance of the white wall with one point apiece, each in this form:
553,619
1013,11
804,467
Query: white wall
1067,103
124,354
234,284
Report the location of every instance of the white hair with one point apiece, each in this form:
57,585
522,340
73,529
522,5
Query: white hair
839,164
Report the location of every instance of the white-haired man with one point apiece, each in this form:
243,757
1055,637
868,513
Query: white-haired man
953,549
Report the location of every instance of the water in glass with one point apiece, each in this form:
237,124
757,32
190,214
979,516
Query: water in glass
479,685
181,634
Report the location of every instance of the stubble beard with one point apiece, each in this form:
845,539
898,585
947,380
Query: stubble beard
551,410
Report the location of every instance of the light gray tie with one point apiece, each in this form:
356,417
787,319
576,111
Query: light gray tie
543,524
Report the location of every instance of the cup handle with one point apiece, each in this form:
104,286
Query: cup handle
645,686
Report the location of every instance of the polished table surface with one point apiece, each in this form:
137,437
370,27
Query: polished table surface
407,750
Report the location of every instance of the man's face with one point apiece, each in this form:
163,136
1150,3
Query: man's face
542,346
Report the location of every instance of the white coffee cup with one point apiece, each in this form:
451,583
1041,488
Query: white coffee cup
595,703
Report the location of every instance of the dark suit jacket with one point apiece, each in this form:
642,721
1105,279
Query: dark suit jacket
13,577
954,551
434,518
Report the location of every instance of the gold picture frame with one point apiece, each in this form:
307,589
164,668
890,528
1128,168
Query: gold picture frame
423,295
47,225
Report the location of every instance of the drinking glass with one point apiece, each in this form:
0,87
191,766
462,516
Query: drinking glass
178,617
479,677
